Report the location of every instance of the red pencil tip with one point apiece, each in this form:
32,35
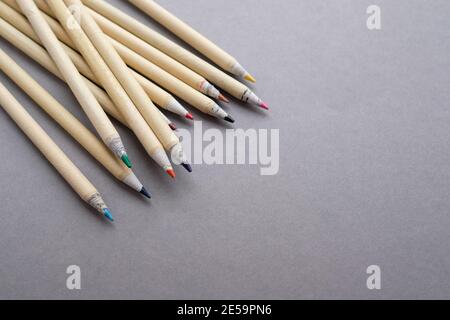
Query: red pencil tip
172,126
171,173
264,106
223,98
189,116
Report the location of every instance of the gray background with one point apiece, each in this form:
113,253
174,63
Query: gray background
364,171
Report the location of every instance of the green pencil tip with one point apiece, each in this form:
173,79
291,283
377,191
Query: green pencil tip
126,160
108,214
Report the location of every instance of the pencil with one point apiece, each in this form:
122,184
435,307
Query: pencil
14,18
192,37
69,123
169,140
87,100
11,12
159,58
162,60
38,54
211,73
74,177
190,60
109,82
167,81
170,83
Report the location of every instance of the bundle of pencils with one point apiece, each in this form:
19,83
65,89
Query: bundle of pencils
116,66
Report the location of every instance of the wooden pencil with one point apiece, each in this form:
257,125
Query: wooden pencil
169,140
190,60
74,177
37,53
161,59
69,123
87,100
171,83
10,11
109,82
193,38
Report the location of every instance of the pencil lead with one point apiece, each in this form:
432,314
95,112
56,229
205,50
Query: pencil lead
171,173
145,192
126,160
250,78
187,166
229,119
264,106
172,126
223,98
189,116
108,214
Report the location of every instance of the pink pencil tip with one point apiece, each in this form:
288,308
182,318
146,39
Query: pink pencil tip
189,116
264,106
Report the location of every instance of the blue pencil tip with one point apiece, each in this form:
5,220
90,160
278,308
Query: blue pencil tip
108,214
146,193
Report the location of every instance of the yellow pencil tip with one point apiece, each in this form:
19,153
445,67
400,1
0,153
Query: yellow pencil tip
249,77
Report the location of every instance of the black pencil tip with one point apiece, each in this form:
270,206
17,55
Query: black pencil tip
229,119
145,193
187,166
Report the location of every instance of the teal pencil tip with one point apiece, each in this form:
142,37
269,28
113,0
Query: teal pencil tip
108,214
126,160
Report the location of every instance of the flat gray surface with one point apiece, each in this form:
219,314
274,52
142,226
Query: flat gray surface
364,171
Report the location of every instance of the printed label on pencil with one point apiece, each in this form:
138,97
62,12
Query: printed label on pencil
74,21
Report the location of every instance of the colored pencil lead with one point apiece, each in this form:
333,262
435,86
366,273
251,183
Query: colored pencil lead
264,106
126,160
229,119
108,214
171,173
189,116
250,78
187,166
145,193
223,98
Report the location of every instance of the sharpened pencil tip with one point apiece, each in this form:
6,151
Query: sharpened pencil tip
229,119
126,160
171,173
187,166
250,78
264,106
189,116
108,214
223,98
172,126
145,193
